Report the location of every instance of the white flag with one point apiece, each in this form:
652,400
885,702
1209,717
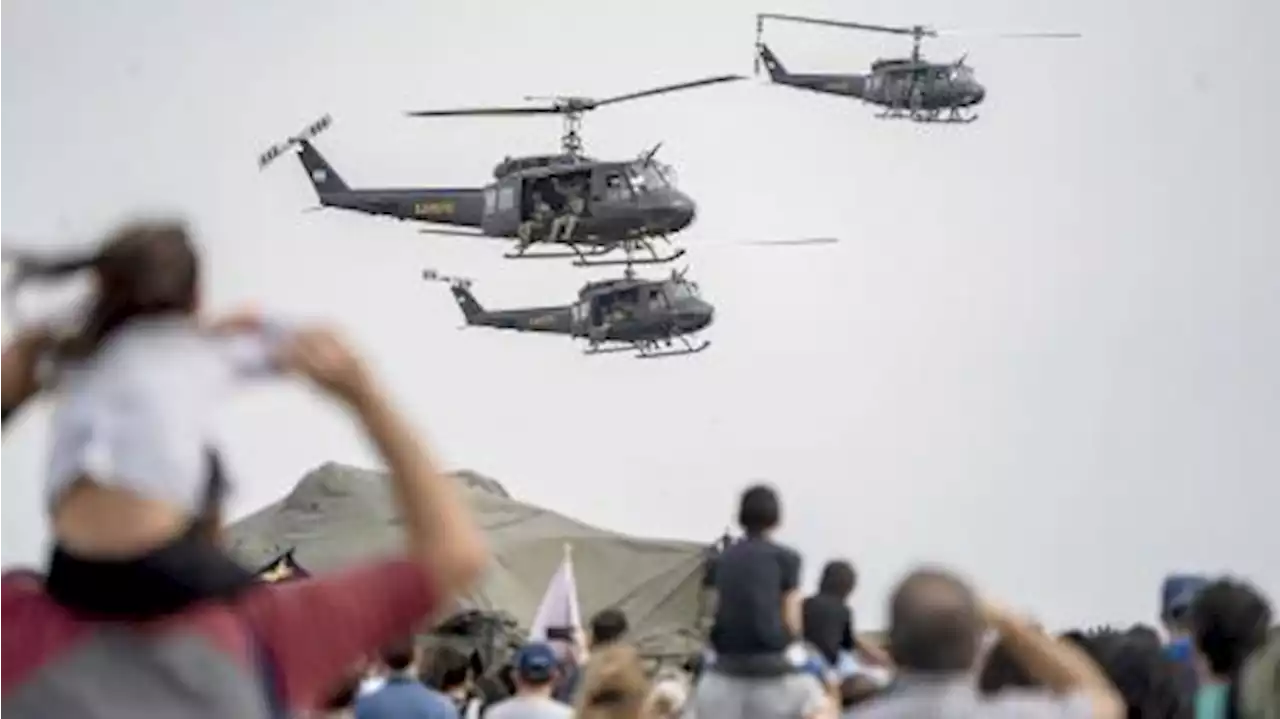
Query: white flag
559,606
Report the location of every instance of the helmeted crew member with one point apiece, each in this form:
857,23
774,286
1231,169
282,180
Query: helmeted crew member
538,218
562,228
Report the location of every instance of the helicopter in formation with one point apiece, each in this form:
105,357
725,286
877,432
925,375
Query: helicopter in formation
653,318
912,87
591,207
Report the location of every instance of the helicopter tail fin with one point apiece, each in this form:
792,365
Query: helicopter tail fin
472,311
323,177
771,63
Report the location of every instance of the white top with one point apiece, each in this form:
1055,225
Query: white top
139,413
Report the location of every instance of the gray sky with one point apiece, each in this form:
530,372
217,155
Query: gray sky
1045,353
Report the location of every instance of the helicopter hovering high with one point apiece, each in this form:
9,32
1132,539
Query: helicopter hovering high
907,87
617,315
590,206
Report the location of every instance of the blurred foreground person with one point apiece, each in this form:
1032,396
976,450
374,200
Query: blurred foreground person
614,686
935,640
1229,621
1260,682
535,677
135,484
273,650
1149,681
757,666
403,695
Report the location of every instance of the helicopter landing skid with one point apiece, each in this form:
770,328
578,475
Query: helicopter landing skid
651,350
629,261
954,117
630,247
936,116
524,254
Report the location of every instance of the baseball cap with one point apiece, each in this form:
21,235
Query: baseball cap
535,662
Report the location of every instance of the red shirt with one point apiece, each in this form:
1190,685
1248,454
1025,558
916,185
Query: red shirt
313,630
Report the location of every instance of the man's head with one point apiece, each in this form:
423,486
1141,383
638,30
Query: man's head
608,627
1229,620
535,667
759,511
400,655
935,624
839,579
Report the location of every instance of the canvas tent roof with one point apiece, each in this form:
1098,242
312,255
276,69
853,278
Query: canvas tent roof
338,515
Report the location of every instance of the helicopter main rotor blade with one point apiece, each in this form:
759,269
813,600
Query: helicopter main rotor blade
798,241
1012,35
593,104
910,30
548,110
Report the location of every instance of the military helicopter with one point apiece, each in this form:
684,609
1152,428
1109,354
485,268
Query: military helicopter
912,87
648,317
592,207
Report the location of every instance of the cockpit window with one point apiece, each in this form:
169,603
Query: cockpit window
682,290
961,72
646,177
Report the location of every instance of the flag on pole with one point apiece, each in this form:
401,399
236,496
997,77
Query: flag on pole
558,609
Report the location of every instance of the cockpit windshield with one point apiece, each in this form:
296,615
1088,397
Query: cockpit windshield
962,73
681,290
646,177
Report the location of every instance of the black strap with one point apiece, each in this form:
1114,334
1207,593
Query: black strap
215,487
268,678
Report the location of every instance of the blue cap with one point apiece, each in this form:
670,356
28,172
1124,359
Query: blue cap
1178,591
535,662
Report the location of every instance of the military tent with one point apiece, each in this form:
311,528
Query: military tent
338,515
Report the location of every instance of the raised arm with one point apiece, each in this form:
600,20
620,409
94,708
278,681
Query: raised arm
440,531
20,378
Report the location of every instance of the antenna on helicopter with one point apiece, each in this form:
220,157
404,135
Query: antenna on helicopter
571,109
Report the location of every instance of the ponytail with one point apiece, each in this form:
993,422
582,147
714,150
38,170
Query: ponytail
145,268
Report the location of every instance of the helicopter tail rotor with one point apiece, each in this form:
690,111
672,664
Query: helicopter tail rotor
759,41
289,143
431,275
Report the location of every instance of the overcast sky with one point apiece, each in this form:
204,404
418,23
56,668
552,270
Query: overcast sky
1046,351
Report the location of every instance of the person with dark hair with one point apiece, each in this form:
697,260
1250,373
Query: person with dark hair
403,696
608,627
757,625
1229,621
828,620
137,390
935,637
535,670
449,672
1147,679
272,650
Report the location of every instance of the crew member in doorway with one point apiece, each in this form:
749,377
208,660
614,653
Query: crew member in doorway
538,219
563,227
